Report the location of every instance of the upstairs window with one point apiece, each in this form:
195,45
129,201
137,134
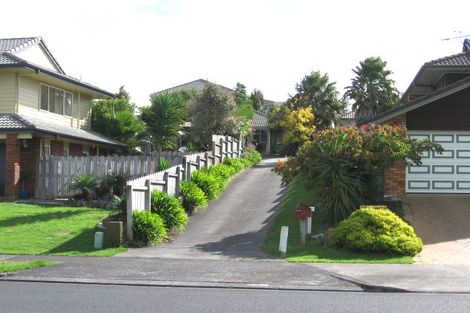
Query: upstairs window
56,100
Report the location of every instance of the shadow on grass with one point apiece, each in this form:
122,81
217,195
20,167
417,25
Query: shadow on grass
41,217
80,244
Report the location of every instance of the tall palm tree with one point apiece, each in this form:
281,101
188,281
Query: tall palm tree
316,91
165,118
371,89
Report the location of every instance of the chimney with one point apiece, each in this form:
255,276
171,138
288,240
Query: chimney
466,45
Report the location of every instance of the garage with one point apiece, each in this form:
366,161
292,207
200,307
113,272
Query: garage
448,172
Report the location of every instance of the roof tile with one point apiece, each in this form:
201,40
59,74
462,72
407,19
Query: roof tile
460,59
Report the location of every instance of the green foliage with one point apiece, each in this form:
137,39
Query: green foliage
257,99
163,164
287,168
208,183
372,90
84,186
193,196
345,166
165,118
111,184
316,91
148,227
115,119
253,156
222,171
170,209
377,230
212,112
236,164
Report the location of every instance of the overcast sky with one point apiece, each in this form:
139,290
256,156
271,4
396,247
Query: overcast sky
149,45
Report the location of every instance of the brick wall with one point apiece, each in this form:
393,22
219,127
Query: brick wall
395,177
75,149
57,148
29,162
12,166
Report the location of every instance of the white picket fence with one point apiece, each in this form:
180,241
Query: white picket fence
139,190
54,174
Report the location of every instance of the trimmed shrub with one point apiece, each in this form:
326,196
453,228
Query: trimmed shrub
148,227
253,156
193,196
222,171
236,164
246,162
170,209
208,183
377,230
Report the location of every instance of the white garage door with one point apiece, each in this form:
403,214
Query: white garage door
448,172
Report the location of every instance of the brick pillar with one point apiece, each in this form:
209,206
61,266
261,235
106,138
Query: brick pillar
12,166
29,163
395,177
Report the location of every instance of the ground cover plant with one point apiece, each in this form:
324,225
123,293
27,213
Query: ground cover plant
169,209
193,196
148,227
53,230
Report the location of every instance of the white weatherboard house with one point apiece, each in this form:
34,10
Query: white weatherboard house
42,112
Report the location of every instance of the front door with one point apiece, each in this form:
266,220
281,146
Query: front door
2,170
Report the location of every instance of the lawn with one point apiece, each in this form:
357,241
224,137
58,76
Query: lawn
314,250
53,230
11,266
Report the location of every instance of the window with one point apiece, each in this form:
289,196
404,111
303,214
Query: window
66,149
56,100
46,148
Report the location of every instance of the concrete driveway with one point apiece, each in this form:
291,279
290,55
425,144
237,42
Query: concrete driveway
443,222
233,226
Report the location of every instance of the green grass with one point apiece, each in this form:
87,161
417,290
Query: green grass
11,266
314,250
52,230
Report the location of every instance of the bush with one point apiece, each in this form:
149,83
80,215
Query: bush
222,171
148,227
193,196
253,156
208,183
377,230
84,185
170,209
245,162
111,184
236,164
163,164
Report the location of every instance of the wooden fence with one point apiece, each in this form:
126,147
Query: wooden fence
54,174
139,190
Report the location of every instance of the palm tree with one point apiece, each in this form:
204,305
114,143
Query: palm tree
371,89
164,119
316,90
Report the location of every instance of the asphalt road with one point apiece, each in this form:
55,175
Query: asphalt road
233,226
70,298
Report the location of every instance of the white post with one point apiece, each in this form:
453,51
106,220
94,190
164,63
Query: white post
129,224
303,229
283,239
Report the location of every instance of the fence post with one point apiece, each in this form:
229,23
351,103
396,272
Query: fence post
129,225
185,167
198,162
148,195
177,182
206,162
165,179
188,173
222,150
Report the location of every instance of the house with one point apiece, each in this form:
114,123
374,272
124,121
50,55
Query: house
436,105
42,112
260,123
348,119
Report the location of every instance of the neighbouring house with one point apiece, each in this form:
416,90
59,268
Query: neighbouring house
436,105
42,112
260,123
348,119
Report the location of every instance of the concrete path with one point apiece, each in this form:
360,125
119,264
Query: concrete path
233,226
442,221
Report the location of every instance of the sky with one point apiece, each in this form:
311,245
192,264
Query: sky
270,45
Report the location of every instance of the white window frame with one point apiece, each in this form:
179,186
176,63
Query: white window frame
49,100
45,148
66,149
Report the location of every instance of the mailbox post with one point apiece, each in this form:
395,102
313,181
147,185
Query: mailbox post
302,213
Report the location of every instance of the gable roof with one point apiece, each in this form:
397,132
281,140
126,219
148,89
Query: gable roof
16,122
260,120
419,102
10,46
460,59
197,85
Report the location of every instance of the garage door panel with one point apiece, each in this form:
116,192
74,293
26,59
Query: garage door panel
448,172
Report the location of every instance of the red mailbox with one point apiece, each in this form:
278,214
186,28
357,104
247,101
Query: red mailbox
302,211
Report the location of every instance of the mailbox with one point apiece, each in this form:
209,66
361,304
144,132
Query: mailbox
302,211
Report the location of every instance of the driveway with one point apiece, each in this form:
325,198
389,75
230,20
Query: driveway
443,222
231,227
